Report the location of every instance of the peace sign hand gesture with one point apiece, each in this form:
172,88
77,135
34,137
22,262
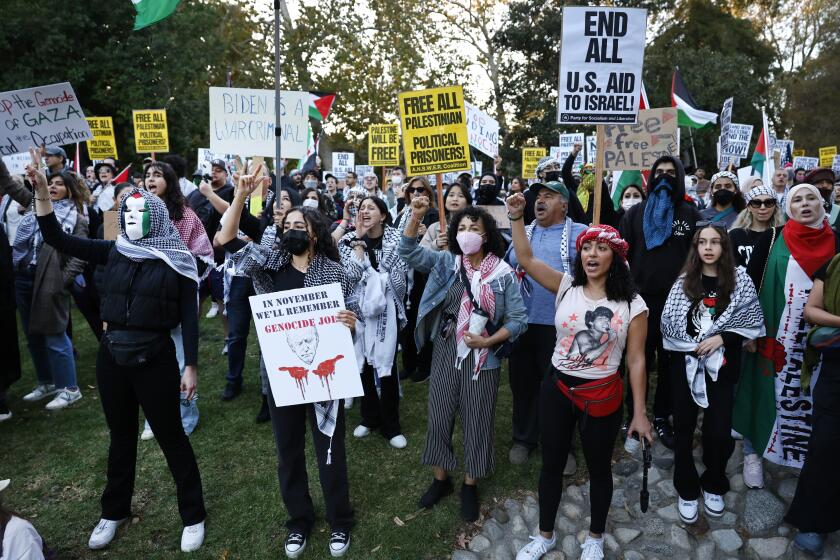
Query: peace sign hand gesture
34,174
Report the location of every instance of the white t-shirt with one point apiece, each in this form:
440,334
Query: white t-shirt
21,541
591,334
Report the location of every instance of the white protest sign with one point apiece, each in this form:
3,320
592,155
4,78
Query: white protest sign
601,59
205,156
738,140
17,163
725,122
342,163
49,115
483,130
477,167
591,148
784,146
567,142
242,122
806,163
308,354
835,164
362,170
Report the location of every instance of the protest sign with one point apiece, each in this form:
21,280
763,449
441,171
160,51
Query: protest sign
103,144
835,164
827,154
806,163
110,227
204,157
434,130
567,142
483,130
342,163
150,131
448,178
477,168
242,122
601,65
737,142
308,353
362,170
798,153
383,145
530,158
630,147
49,115
17,163
591,148
725,122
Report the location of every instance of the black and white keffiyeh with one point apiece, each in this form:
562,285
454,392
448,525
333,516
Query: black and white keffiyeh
162,242
28,239
742,316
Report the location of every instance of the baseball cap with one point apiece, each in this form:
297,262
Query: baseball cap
555,186
56,151
219,162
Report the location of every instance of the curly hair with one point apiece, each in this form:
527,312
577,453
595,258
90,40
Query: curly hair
317,222
590,316
619,286
173,196
494,242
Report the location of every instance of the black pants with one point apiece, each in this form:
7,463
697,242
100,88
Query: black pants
655,354
530,362
289,426
716,433
87,300
597,436
413,360
381,410
155,387
814,507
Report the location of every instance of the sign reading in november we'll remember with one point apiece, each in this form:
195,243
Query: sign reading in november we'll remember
150,131
434,130
601,61
103,144
308,353
242,121
630,147
530,158
383,144
483,130
48,115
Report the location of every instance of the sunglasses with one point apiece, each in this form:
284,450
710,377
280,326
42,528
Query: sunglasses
412,190
717,225
769,203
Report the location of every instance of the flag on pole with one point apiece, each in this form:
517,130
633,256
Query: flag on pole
152,11
687,111
761,162
123,176
308,162
320,104
77,161
643,100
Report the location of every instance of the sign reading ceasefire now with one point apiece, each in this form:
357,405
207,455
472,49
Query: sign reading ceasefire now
150,131
434,130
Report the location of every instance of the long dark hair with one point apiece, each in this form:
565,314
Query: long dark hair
495,243
173,197
324,244
693,270
619,285
380,204
322,200
464,191
73,185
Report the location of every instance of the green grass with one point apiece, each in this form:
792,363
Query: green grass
57,465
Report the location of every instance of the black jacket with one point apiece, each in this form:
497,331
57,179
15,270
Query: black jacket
608,214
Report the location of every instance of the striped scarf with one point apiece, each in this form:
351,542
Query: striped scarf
481,289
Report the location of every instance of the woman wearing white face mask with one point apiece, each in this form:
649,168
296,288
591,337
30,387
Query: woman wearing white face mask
314,199
631,196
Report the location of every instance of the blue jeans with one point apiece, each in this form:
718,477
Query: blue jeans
52,354
239,323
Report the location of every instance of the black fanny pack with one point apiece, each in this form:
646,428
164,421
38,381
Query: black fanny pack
134,348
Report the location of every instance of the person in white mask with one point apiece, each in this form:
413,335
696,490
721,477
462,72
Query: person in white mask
631,196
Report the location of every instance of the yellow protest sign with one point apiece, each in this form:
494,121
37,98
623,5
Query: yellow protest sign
798,153
383,145
530,158
434,130
103,144
150,131
827,154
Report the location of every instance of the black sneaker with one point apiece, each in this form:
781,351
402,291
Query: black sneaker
437,491
420,376
295,544
231,391
339,543
263,415
469,502
665,431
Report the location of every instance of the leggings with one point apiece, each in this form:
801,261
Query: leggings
597,436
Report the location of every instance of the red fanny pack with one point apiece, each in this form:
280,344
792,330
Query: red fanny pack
600,397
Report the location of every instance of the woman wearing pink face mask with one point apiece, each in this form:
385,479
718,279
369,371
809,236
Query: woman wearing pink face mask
471,306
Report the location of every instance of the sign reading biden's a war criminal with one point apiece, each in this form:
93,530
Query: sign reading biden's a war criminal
630,147
601,65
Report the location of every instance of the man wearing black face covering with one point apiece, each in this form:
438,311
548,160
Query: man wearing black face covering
659,230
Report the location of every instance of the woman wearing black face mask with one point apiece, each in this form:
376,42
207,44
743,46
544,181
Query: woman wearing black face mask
304,255
488,191
727,200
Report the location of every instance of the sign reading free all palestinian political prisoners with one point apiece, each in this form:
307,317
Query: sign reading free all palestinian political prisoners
242,121
434,130
601,61
530,159
483,130
49,115
629,147
103,144
151,133
308,353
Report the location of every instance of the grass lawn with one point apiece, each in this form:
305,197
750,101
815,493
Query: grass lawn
57,465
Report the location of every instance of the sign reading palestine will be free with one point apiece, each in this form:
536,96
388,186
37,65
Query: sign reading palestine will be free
434,130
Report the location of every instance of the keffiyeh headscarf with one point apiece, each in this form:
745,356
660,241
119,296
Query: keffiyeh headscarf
28,239
724,175
545,162
759,191
162,242
604,234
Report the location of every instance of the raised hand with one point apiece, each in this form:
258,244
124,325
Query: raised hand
515,205
420,206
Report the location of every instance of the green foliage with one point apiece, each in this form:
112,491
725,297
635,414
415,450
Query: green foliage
813,102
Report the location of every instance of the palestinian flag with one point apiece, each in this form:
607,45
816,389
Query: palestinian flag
761,164
643,100
689,114
308,162
123,176
770,407
320,104
152,11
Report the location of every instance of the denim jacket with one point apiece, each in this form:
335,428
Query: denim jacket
439,265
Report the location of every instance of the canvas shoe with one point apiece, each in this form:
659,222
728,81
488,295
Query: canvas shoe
339,543
538,546
213,311
295,544
361,431
40,392
5,413
592,549
398,442
64,398
753,471
103,533
193,537
688,510
713,504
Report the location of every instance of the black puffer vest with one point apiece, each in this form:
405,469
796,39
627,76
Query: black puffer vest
141,295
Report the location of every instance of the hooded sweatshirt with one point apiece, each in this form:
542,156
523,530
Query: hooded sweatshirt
655,270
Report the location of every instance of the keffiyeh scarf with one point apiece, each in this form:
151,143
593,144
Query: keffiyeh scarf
28,239
565,245
194,236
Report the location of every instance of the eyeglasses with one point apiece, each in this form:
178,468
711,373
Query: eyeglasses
769,203
412,190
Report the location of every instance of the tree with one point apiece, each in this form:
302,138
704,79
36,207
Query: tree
812,107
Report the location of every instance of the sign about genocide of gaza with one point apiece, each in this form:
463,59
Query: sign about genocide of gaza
601,59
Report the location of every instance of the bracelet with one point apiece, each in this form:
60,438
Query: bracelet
512,219
42,199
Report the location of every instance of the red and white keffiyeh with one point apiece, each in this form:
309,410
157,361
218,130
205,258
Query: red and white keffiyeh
480,285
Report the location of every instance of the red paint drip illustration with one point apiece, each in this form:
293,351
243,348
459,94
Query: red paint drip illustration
326,370
299,374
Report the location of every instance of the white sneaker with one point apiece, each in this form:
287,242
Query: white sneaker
361,431
632,445
104,533
213,311
147,434
592,549
295,544
65,398
735,435
753,471
536,548
339,543
40,392
571,465
5,415
687,510
713,504
193,537
398,441
348,403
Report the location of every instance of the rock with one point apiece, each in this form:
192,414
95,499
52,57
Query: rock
500,552
571,511
767,549
787,488
500,515
619,515
610,543
574,493
653,527
570,546
729,519
736,482
618,498
480,543
515,545
565,527
679,538
464,555
666,487
512,506
625,535
633,555
626,467
530,501
658,548
731,499
531,513
554,555
664,461
669,513
581,536
727,540
492,530
783,531
706,551
654,476
762,512
518,528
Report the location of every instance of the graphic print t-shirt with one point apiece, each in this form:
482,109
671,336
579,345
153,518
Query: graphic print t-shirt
591,334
